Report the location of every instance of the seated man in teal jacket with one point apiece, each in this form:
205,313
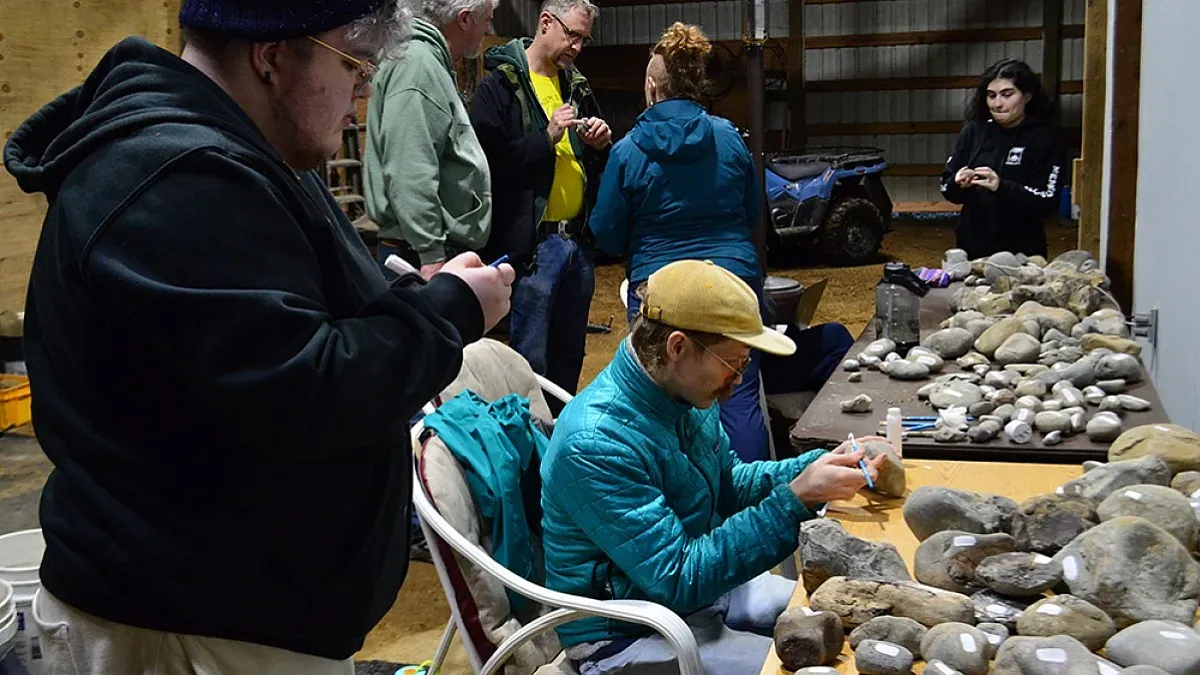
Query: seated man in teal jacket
643,497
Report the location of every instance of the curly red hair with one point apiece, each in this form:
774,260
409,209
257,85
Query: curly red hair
684,49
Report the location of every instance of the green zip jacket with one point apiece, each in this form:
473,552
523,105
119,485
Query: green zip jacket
427,178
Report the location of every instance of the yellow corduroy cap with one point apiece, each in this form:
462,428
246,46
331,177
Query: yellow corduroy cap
701,296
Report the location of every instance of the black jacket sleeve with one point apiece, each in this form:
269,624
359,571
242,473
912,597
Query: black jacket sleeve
963,147
594,161
510,157
1038,193
238,316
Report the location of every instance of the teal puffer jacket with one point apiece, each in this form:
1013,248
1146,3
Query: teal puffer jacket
644,499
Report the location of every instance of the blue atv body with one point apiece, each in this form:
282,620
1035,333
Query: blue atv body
833,198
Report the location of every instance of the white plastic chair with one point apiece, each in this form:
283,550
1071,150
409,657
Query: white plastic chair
562,607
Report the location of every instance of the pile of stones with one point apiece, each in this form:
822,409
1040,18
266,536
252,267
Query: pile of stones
1098,577
1037,348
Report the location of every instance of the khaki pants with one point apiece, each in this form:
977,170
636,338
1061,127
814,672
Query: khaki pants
74,643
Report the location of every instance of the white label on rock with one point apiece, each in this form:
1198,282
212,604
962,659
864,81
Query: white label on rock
1134,495
954,392
1162,429
1052,610
807,611
968,643
945,668
1052,655
1172,635
1196,494
964,541
1106,669
927,360
1059,490
997,610
890,650
1043,560
1070,568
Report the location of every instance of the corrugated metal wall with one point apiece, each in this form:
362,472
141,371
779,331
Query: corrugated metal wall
722,21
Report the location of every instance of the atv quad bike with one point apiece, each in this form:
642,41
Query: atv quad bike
831,197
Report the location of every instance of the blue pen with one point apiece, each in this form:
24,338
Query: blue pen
862,464
499,261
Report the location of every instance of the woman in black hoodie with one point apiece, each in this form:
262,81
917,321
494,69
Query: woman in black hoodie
1007,165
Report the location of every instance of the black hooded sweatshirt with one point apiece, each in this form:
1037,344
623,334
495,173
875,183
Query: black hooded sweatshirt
1029,161
221,375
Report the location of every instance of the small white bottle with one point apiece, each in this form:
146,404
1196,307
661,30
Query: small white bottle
895,430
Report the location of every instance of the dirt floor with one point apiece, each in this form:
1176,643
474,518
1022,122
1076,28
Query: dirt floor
410,632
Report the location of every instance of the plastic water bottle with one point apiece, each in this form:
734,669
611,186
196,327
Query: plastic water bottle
895,430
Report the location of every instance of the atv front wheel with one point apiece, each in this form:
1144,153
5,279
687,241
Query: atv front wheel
852,233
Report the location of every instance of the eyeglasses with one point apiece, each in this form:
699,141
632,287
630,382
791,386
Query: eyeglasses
366,69
737,371
572,35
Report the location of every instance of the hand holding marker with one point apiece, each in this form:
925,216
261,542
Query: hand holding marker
862,463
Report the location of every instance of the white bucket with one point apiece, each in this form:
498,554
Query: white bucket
20,557
8,633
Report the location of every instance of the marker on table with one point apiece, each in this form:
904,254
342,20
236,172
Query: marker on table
499,261
862,464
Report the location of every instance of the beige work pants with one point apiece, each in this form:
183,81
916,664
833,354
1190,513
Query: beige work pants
75,643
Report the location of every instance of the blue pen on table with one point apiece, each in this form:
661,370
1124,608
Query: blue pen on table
862,464
499,261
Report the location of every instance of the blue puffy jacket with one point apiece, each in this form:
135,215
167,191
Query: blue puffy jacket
643,498
680,186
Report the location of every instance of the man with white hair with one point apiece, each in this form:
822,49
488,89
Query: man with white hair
427,182
223,375
546,146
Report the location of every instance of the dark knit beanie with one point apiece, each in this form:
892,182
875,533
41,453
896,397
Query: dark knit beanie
269,20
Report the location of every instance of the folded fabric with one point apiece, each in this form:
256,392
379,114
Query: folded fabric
934,277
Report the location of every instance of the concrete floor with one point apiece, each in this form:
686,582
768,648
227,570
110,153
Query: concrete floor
410,632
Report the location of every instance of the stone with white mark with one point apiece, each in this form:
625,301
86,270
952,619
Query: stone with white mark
857,405
894,629
805,639
1099,483
995,634
948,559
1160,505
828,550
1111,404
1093,395
1173,647
958,645
995,608
1019,574
1058,655
1045,523
880,348
1048,421
1067,615
1178,446
873,657
1119,367
857,601
851,365
1103,429
1031,402
949,343
1133,403
1052,439
1112,386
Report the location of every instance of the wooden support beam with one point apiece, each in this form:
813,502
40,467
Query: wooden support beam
1090,187
797,119
1052,16
912,83
1126,96
932,37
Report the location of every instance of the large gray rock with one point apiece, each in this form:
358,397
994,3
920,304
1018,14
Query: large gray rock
895,629
1173,647
1099,483
956,394
950,343
857,601
1058,655
931,509
991,607
1048,421
961,319
993,337
1019,348
948,559
1178,446
873,657
1057,318
901,369
880,348
892,480
804,638
1105,428
1081,373
1002,264
1119,367
828,550
1160,505
1133,570
1105,322
927,358
1019,574
959,646
1067,615
1046,523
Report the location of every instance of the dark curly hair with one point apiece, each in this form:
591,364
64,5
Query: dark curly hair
685,51
1027,81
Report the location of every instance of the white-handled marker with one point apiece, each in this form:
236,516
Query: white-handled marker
862,463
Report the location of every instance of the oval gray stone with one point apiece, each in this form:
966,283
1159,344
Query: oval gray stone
932,509
1133,403
901,369
958,645
1104,429
1119,367
850,366
1031,387
1112,386
1030,402
1067,615
880,348
1080,373
1058,655
1047,422
1052,439
1019,348
1099,483
1019,574
955,395
1160,505
1004,411
1093,395
873,657
897,630
1168,645
950,343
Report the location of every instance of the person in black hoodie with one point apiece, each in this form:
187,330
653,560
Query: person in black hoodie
1007,165
546,144
222,375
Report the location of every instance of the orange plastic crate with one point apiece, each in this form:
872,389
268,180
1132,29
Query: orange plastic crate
14,401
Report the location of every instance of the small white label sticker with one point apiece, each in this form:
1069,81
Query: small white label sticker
993,639
1051,609
1043,560
1172,635
1052,655
964,541
1134,495
968,643
945,668
1059,490
1070,568
807,611
954,392
998,610
1196,494
1162,428
890,650
1106,669
927,360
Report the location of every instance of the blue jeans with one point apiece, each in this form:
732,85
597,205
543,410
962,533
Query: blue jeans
742,413
549,318
734,635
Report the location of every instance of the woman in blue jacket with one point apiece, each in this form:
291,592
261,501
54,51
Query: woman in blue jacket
682,185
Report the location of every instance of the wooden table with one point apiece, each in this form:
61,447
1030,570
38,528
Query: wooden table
882,520
824,424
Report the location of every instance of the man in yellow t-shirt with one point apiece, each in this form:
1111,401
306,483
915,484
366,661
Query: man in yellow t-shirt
546,144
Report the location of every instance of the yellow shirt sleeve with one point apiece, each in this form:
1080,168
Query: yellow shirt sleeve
566,194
